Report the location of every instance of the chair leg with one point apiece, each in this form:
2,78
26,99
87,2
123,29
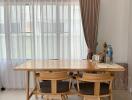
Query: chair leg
101,98
110,97
46,97
62,97
42,97
66,97
84,98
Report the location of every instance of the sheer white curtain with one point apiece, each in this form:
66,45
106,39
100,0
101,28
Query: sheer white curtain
38,29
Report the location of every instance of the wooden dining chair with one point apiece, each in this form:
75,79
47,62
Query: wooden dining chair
53,83
94,86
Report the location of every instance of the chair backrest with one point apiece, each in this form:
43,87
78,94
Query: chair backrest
54,76
97,78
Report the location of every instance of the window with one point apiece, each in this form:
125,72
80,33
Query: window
46,30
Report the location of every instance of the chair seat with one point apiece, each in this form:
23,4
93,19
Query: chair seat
87,88
62,86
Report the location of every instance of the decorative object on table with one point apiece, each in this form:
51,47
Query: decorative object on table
102,53
109,54
96,58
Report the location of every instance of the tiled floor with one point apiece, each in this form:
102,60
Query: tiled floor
19,95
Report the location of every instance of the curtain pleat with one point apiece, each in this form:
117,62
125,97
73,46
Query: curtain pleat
90,17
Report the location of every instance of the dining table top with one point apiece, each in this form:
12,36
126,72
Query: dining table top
68,65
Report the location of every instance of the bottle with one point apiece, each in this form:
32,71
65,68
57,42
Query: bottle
109,54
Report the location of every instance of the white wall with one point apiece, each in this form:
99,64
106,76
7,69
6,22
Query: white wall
130,47
113,27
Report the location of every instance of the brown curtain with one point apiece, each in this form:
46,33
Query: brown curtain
90,16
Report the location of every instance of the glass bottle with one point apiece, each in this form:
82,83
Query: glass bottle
109,54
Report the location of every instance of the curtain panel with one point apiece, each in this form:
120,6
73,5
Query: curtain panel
90,18
38,29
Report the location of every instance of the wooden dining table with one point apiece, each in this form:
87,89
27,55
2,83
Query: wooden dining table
64,65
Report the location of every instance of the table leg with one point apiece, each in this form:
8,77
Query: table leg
35,84
27,84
